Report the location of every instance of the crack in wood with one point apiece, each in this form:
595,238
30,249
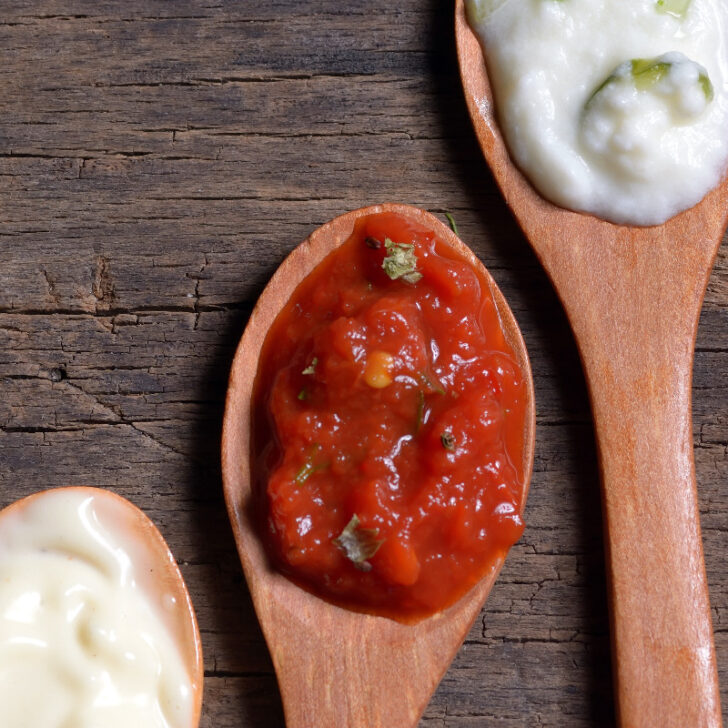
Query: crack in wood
103,284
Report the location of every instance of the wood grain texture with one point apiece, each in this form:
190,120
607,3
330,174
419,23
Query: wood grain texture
158,160
633,297
377,672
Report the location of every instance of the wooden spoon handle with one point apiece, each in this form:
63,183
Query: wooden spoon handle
633,297
635,322
664,660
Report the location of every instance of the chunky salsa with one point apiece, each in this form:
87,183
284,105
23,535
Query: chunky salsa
389,434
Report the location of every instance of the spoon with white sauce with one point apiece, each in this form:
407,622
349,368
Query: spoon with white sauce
338,668
96,625
633,297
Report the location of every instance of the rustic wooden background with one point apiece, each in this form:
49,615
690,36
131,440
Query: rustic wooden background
157,161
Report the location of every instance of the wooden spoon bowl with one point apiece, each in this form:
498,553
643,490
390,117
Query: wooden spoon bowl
337,668
156,572
633,297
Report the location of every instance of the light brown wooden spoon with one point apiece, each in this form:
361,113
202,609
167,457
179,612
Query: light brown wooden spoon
633,297
156,572
337,668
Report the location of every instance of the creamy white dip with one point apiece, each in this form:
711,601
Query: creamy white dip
81,645
592,131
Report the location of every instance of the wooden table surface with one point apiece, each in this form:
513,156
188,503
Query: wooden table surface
158,161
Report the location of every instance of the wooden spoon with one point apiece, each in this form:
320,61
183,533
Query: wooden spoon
337,668
156,571
633,297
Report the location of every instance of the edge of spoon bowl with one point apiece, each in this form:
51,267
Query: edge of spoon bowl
633,296
367,660
117,514
549,227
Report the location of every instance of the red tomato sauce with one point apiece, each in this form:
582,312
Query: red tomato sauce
389,433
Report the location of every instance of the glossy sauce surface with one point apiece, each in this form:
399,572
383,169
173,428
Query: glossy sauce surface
389,431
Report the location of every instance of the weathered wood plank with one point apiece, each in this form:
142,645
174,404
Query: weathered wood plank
157,161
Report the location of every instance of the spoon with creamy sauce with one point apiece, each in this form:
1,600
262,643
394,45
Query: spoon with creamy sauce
633,297
96,625
337,667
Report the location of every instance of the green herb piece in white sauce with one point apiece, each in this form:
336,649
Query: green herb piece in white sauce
678,8
644,74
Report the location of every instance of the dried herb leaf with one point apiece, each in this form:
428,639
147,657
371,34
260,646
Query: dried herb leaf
303,394
451,220
448,440
401,262
358,544
311,368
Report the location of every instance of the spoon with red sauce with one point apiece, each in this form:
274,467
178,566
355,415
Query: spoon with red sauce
633,297
336,666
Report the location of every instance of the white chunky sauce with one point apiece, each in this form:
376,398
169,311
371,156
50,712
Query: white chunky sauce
80,644
633,144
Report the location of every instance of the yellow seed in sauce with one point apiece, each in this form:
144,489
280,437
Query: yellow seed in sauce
377,373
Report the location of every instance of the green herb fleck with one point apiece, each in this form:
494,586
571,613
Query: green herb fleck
303,394
678,8
358,544
306,471
451,220
420,410
448,440
434,387
646,72
608,80
311,368
706,85
401,262
309,467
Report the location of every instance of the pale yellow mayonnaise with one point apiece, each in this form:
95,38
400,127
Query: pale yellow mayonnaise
614,107
81,645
